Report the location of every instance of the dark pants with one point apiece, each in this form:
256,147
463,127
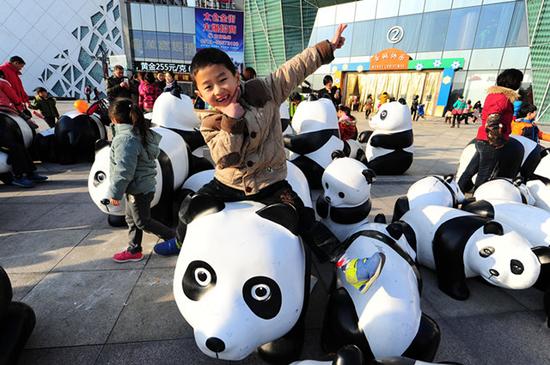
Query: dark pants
456,118
280,192
367,113
138,218
50,121
18,156
413,114
489,158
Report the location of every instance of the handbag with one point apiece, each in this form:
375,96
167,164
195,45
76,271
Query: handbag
493,128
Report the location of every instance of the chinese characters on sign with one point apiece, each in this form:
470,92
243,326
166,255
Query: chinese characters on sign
390,59
159,66
222,29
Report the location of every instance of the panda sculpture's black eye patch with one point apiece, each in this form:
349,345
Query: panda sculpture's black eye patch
384,114
198,279
341,195
486,251
263,296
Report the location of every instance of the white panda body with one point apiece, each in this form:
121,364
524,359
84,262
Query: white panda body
237,264
389,312
434,190
323,156
508,246
540,191
174,112
506,190
174,157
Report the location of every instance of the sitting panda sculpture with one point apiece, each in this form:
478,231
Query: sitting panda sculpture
317,137
14,129
430,190
389,149
352,355
460,245
172,170
522,157
259,272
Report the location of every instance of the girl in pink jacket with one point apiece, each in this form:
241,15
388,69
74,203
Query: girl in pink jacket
148,93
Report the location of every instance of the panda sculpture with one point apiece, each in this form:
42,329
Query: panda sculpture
13,128
352,355
256,266
460,245
74,138
539,184
389,149
317,136
522,157
386,320
506,190
172,170
174,111
430,190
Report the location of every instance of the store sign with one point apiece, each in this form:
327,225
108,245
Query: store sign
395,34
389,59
161,66
222,29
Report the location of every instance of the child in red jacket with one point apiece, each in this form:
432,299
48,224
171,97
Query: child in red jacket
346,123
148,93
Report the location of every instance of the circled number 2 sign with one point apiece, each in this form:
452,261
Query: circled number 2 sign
395,34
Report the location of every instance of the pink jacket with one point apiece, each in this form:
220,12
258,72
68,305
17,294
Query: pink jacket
8,98
11,75
148,93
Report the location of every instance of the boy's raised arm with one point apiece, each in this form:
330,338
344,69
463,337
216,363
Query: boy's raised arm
294,71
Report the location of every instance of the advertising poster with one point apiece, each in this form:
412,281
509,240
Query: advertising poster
222,29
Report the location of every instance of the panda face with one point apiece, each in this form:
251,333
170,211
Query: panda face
392,117
99,181
503,260
239,281
344,184
314,116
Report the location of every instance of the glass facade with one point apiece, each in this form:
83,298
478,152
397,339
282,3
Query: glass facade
490,35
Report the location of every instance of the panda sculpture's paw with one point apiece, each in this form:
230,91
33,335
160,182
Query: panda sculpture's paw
456,290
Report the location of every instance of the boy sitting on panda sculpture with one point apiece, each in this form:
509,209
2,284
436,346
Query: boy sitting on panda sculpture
243,134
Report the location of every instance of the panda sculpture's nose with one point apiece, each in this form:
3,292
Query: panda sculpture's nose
494,272
327,199
214,344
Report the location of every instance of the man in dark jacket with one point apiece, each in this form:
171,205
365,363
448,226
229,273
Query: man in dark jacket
329,91
117,85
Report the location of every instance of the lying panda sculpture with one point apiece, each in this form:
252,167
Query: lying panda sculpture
539,184
506,190
14,129
460,245
522,157
172,170
430,190
264,296
352,355
317,137
389,149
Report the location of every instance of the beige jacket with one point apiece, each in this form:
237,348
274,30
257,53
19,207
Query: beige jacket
249,152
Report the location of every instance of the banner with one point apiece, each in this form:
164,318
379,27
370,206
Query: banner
222,29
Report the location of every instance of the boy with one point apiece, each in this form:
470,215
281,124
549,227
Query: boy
525,124
244,135
46,104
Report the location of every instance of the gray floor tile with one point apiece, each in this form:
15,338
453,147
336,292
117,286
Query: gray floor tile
22,284
81,355
78,308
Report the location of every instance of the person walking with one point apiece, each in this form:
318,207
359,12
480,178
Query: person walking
458,108
369,104
134,150
88,93
414,107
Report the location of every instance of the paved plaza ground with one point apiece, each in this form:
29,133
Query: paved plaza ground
56,246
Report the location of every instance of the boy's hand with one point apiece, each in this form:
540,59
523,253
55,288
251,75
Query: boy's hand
114,202
233,109
338,41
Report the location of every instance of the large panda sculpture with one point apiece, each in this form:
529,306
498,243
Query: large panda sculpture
430,190
506,190
316,138
13,128
352,355
460,245
174,111
172,170
522,157
379,323
73,138
539,184
256,266
389,149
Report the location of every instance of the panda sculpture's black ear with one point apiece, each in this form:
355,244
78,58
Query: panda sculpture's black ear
542,253
349,355
198,205
337,154
370,175
100,143
448,178
380,218
282,214
493,227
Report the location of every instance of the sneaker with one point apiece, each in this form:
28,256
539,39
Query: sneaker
127,256
167,248
362,273
22,182
36,178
